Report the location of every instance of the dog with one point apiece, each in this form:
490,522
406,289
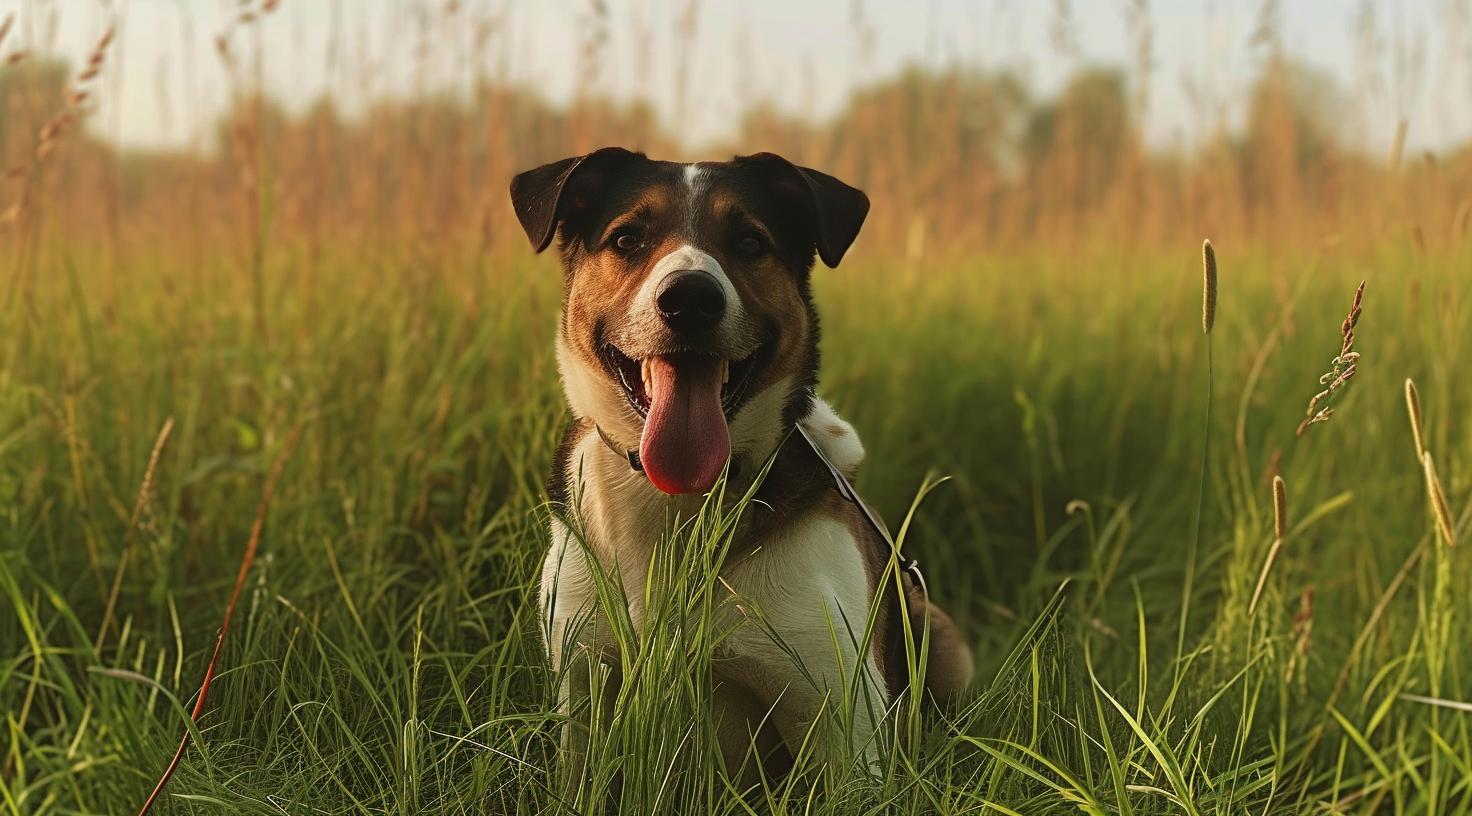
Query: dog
688,349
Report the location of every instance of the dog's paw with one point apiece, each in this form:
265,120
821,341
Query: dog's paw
835,437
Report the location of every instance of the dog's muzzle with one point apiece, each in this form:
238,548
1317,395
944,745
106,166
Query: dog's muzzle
691,302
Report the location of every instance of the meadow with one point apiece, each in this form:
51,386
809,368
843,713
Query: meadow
386,658
326,342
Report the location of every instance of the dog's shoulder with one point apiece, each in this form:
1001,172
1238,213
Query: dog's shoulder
559,480
835,437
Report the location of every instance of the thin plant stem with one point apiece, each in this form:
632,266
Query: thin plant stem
1191,551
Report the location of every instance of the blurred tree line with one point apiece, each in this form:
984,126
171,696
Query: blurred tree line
955,160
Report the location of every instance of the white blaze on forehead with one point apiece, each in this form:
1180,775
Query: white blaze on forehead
694,176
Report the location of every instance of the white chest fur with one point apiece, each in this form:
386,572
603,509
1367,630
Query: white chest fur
801,600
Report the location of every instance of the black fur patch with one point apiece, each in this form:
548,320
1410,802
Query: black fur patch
558,489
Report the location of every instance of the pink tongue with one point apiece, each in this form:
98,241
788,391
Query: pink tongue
685,442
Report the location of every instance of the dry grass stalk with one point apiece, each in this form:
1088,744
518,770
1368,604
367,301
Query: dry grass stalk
1208,286
1438,502
1341,368
145,490
1439,507
94,67
1413,407
1304,620
247,559
57,126
1280,532
5,26
1303,627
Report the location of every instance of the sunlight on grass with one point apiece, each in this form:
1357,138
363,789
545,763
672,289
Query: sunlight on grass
387,651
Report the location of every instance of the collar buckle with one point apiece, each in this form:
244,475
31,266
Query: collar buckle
631,455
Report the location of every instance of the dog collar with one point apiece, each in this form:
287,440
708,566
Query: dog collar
631,455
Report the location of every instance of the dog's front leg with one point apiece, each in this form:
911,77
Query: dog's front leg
827,708
805,632
587,682
585,697
825,699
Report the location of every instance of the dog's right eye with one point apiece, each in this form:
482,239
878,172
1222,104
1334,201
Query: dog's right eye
627,241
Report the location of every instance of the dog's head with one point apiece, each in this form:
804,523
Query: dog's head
687,323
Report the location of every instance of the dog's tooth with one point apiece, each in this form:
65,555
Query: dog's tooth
725,371
644,374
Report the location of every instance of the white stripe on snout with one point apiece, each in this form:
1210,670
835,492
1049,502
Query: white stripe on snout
732,329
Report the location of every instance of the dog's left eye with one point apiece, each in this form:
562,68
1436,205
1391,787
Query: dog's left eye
751,245
627,241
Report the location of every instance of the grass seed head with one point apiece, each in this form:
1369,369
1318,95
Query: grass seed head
146,487
1413,407
1280,532
1208,286
1280,508
1351,320
1341,369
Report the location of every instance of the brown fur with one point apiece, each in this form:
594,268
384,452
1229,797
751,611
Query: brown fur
792,213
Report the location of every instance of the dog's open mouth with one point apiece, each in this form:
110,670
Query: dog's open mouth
686,399
635,375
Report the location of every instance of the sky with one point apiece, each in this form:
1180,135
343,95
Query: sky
165,84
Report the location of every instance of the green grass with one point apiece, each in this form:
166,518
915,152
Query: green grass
386,658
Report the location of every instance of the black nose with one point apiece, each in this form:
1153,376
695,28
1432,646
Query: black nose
691,300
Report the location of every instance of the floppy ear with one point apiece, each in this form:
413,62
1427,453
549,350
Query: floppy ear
837,209
545,196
